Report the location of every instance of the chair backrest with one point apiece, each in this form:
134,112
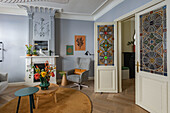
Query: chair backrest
83,63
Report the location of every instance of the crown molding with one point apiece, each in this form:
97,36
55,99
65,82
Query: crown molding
104,10
95,15
13,11
74,17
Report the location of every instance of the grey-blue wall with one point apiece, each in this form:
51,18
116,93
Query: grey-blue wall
65,33
121,9
13,33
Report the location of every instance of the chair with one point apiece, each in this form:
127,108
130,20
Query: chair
83,63
3,81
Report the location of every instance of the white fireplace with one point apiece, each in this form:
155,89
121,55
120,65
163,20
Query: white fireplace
33,60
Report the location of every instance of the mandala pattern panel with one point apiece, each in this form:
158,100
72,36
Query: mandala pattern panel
153,50
105,45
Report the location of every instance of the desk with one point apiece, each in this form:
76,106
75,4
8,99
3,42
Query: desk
51,91
29,91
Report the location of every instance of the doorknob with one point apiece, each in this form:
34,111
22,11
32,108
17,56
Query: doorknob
137,66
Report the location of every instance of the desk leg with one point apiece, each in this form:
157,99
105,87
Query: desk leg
31,111
19,98
33,101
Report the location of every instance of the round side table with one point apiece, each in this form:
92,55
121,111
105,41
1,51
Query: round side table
51,91
29,91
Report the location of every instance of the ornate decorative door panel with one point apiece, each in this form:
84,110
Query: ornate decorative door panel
151,56
105,57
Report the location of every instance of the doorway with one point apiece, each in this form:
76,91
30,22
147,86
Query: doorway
128,52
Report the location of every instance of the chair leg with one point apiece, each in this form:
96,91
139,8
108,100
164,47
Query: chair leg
33,101
31,106
84,86
19,98
79,85
75,85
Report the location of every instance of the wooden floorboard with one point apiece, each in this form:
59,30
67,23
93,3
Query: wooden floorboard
102,103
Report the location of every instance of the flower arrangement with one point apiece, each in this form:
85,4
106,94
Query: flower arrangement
44,74
29,51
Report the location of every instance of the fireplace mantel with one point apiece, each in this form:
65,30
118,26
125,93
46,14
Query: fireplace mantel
32,60
40,56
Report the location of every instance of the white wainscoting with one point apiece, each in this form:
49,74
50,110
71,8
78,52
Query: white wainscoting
153,94
107,80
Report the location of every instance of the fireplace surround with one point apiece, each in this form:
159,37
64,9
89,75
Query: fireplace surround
33,60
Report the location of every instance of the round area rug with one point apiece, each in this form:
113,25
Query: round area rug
68,101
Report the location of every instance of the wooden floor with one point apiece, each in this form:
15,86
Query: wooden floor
102,103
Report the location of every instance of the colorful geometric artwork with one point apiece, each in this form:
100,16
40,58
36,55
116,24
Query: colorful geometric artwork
80,43
105,45
69,50
153,37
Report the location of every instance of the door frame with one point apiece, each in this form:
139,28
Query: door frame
119,38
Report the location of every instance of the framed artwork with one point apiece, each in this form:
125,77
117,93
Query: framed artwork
80,42
69,50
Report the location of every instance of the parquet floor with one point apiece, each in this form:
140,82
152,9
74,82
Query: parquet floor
102,103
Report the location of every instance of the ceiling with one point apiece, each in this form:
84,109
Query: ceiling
88,9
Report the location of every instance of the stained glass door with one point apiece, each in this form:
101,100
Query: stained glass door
105,57
151,57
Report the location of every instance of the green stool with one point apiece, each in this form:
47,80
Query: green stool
29,91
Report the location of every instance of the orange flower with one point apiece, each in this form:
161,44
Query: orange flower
37,66
37,76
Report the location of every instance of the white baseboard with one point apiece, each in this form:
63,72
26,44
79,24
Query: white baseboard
90,78
16,83
23,83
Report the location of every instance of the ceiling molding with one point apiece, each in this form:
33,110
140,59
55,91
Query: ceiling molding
26,1
74,17
13,11
100,11
104,10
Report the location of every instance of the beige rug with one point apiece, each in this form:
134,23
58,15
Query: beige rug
68,101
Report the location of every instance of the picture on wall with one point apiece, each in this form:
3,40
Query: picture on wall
69,50
80,42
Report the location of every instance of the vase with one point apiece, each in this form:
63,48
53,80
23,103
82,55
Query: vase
44,84
29,53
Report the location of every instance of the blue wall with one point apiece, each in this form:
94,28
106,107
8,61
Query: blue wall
13,33
65,33
121,9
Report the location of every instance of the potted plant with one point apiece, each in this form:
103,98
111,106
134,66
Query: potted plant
29,51
132,43
34,53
